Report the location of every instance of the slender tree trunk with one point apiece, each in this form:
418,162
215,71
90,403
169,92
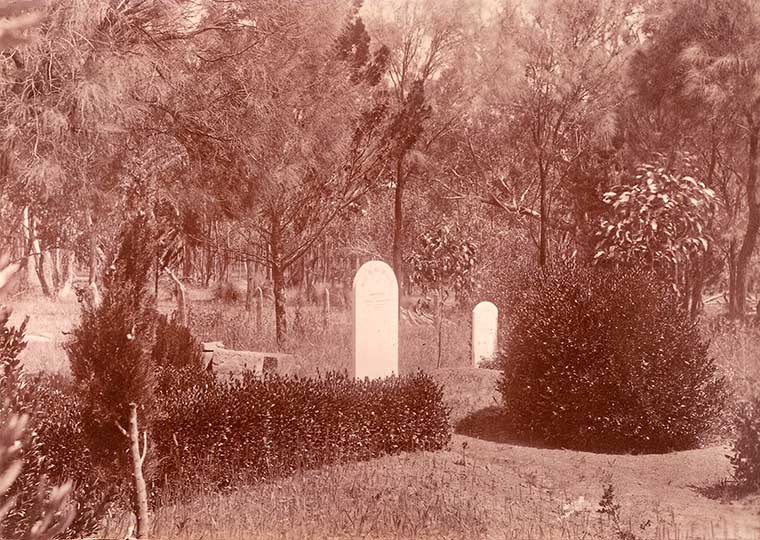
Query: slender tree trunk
39,258
250,284
398,222
753,226
732,277
543,218
697,286
180,293
55,270
278,281
67,273
140,495
92,262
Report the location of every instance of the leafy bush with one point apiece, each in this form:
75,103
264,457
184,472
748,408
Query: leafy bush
56,448
607,360
233,431
227,292
50,446
177,357
51,514
746,446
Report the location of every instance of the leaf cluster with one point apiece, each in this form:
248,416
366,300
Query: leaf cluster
662,219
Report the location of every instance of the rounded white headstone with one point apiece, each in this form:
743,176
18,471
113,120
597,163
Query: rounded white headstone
485,329
375,321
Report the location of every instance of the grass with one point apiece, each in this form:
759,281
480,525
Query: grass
485,486
477,490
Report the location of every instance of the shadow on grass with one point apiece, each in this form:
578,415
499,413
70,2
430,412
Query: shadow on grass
491,424
724,491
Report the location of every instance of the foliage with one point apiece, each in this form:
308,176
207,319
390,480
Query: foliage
746,446
443,262
57,449
177,358
242,430
662,221
109,351
27,461
11,345
49,514
606,360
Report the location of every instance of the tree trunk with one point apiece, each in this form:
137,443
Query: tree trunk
697,285
55,270
731,276
753,226
67,274
398,223
140,495
439,323
278,282
39,259
250,285
543,218
181,295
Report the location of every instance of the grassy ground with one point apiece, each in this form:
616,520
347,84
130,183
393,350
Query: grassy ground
485,486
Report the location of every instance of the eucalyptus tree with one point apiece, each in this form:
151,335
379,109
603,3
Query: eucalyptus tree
423,39
704,58
558,84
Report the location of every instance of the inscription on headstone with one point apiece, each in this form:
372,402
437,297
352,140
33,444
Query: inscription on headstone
375,321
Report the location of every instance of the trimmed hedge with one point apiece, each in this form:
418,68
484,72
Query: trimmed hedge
221,433
607,360
254,428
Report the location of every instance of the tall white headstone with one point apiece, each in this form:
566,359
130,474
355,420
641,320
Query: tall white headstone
375,321
485,329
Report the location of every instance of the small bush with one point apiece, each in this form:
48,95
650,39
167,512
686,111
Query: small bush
57,449
177,357
52,446
233,431
228,292
607,360
746,447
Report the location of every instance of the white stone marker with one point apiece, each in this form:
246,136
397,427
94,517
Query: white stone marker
375,321
485,328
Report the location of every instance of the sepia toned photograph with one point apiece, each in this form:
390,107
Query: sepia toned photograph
379,269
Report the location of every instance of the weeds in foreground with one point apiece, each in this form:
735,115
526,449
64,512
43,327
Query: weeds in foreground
609,507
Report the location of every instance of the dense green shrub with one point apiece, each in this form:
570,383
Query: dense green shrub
51,447
109,352
177,357
232,431
57,449
607,360
746,446
227,292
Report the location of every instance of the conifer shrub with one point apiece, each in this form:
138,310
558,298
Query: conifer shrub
109,352
243,430
607,360
745,458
